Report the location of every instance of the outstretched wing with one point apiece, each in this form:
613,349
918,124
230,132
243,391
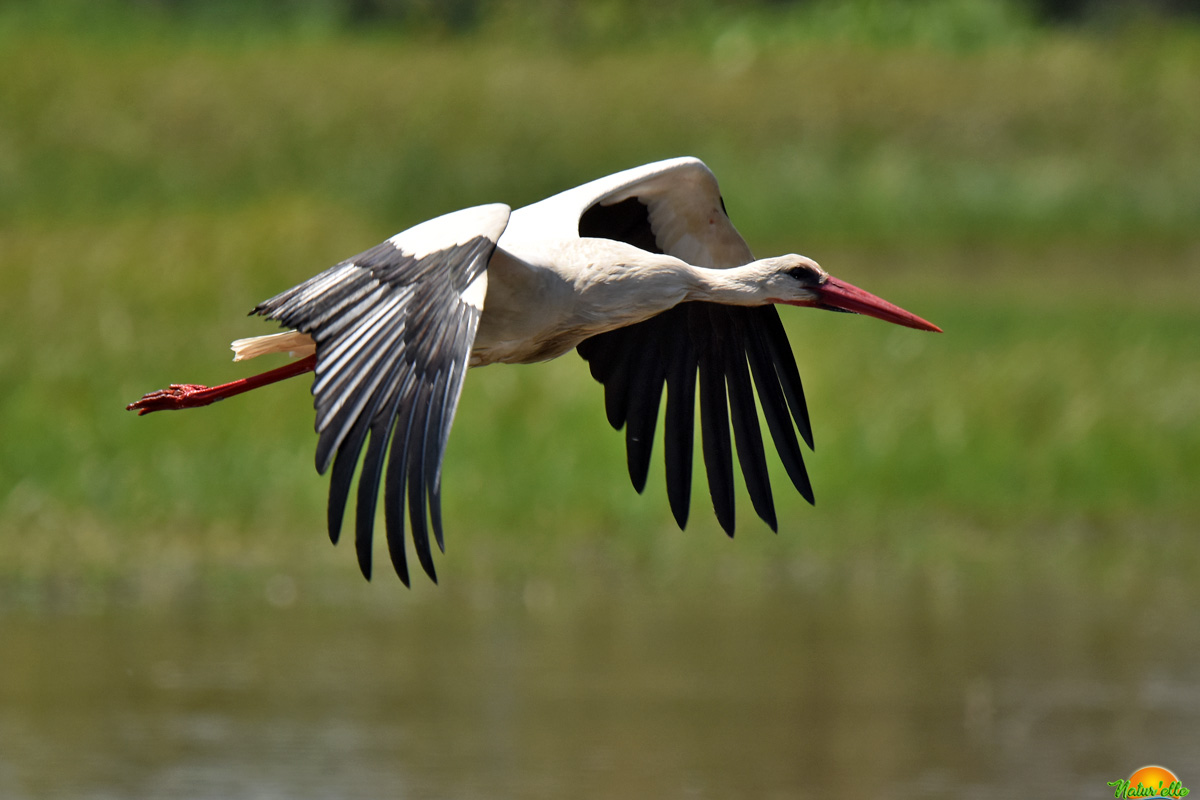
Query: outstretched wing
393,328
675,207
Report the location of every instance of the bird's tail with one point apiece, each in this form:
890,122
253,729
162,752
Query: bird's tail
294,343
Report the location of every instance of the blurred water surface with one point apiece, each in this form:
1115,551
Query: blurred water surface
914,691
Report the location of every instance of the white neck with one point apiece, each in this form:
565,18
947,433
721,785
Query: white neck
737,286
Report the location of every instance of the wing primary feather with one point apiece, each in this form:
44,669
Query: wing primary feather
746,433
339,491
616,381
679,424
397,474
432,455
382,426
645,397
416,480
343,473
467,323
608,356
781,355
779,421
602,352
714,423
368,481
368,493
435,514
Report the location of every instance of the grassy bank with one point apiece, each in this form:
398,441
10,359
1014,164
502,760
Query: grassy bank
1037,196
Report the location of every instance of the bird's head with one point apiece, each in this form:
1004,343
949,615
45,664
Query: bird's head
799,281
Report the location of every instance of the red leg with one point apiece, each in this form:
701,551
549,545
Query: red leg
191,395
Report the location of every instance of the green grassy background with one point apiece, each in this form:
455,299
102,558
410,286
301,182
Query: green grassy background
1035,192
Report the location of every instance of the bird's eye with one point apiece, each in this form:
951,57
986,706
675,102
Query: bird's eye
804,274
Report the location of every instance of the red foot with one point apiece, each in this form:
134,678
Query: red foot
194,395
178,395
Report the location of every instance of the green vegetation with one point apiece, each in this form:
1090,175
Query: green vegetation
1035,192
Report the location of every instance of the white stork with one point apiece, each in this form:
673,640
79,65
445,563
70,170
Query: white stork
642,272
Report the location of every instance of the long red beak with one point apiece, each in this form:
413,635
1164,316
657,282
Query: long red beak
835,293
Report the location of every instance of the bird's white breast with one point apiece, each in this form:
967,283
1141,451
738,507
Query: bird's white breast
544,298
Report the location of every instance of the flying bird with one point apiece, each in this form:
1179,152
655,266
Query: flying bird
641,272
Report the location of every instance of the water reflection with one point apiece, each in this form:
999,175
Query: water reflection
796,694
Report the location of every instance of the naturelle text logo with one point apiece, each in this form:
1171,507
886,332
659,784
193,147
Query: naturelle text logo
1149,783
